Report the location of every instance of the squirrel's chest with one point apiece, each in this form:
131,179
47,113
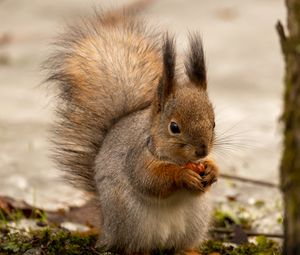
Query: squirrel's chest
179,220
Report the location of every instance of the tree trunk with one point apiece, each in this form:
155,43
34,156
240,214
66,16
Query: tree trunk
290,164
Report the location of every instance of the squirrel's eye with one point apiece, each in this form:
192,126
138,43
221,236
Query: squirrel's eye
214,124
174,128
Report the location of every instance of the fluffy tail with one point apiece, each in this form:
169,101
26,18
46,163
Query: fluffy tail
105,69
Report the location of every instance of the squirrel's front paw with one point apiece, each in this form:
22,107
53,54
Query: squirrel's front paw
210,173
190,179
198,177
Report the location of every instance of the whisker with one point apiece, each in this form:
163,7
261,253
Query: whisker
236,134
235,145
231,128
221,153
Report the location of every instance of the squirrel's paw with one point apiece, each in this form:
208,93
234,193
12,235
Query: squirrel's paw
198,177
210,174
190,179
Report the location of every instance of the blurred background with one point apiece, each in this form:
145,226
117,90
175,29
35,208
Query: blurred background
245,72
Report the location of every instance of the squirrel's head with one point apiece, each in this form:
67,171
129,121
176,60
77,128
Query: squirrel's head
183,117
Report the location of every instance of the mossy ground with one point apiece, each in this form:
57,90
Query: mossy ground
49,241
48,237
61,241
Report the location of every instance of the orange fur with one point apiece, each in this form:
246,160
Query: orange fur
199,168
194,177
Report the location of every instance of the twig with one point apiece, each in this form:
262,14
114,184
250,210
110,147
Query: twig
249,233
243,179
282,35
280,31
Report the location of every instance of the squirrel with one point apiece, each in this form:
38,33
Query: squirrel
135,132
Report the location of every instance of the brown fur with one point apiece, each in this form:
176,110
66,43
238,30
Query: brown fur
168,178
84,113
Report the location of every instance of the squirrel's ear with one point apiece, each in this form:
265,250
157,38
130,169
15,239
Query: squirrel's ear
195,62
167,81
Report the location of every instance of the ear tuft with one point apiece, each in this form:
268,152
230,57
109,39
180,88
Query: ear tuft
169,58
195,63
166,84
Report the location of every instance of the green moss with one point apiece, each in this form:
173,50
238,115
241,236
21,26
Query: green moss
59,241
259,203
227,219
54,240
280,220
263,246
50,241
224,219
14,243
14,216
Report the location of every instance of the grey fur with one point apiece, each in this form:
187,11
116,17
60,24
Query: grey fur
133,220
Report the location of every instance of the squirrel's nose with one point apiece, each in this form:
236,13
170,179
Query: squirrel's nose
201,151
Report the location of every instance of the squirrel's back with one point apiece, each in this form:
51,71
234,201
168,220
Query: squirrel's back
105,69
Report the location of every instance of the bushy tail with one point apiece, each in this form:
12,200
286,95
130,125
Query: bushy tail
105,69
